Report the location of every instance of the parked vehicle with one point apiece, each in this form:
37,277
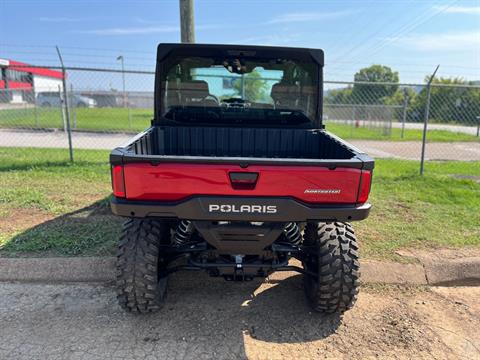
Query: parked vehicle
51,98
238,177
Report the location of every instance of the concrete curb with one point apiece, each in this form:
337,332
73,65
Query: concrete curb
392,273
463,271
102,269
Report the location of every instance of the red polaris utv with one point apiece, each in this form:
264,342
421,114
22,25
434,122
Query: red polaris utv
237,175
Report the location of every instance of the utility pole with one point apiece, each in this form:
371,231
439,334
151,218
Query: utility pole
123,80
187,25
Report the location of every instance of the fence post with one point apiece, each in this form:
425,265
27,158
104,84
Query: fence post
478,126
67,111
129,118
404,115
390,124
35,114
425,120
61,97
73,107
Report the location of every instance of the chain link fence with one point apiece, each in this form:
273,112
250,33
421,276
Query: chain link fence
387,120
107,107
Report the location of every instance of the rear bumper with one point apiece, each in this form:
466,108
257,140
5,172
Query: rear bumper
239,209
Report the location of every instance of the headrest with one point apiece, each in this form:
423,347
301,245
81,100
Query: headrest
195,89
280,89
284,93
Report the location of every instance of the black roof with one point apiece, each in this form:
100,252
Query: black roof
303,54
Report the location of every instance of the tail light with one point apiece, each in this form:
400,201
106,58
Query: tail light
118,181
364,188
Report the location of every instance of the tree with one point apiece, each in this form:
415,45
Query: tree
399,96
374,94
398,99
449,103
255,86
338,96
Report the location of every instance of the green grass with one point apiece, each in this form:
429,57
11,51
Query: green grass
135,120
51,207
440,209
95,119
363,133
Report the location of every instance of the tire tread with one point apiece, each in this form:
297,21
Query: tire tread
138,286
336,264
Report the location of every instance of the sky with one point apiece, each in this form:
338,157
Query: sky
411,37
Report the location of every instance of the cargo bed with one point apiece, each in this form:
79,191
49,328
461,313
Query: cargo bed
242,146
176,165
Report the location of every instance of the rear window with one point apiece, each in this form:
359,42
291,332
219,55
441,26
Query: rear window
237,90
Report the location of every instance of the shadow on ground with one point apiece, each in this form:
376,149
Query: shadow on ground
209,319
91,230
272,311
44,163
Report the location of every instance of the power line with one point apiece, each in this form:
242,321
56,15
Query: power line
429,65
339,41
370,35
409,29
76,48
403,29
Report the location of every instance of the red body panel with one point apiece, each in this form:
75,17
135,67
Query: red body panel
176,181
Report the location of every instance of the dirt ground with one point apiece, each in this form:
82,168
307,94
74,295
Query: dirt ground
208,318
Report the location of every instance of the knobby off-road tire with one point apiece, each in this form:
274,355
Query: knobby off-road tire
141,278
337,266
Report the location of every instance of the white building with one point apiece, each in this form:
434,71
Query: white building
20,82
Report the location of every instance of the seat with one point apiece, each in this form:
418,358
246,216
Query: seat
190,93
194,91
